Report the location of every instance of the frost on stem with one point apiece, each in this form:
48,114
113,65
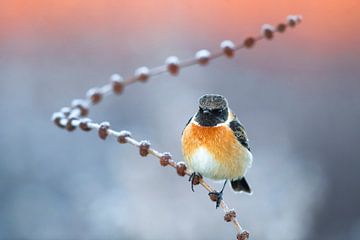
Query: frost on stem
144,148
57,117
202,57
165,159
181,169
243,236
103,130
173,65
84,124
292,20
69,126
228,48
267,31
229,216
66,111
117,83
122,136
95,95
81,105
142,74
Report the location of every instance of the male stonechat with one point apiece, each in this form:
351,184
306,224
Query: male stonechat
215,145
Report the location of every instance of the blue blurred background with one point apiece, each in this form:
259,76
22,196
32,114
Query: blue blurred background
298,97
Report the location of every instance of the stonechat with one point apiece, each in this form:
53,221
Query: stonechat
215,145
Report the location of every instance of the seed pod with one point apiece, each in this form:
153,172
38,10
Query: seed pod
228,48
81,105
181,169
203,57
142,74
172,65
94,95
243,236
66,111
196,179
57,117
249,42
213,196
267,31
144,148
84,124
292,20
103,130
69,126
229,216
165,159
117,83
122,136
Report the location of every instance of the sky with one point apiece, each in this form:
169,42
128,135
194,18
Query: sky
297,95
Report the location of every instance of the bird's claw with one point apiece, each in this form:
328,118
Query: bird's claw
216,197
194,179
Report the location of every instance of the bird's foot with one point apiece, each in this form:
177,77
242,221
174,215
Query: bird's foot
194,179
216,197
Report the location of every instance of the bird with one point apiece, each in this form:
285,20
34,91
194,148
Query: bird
215,145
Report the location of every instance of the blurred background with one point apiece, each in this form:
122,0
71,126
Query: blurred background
297,95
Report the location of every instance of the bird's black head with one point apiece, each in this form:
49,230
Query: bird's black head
213,109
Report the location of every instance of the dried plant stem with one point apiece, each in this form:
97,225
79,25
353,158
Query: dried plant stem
72,117
128,139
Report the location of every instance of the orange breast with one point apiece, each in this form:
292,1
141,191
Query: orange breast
220,141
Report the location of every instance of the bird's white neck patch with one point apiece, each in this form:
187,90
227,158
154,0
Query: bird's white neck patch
231,117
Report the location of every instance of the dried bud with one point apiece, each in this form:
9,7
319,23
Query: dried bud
142,74
144,148
103,130
243,236
172,65
267,31
66,111
117,83
122,136
181,169
249,42
94,95
228,48
81,105
84,124
229,216
213,196
196,179
165,159
203,57
69,126
281,27
57,117
292,20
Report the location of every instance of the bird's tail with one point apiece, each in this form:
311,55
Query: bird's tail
241,185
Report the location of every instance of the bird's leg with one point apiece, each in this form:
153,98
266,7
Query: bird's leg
217,196
194,179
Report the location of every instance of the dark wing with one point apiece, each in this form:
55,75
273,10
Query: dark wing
186,125
240,133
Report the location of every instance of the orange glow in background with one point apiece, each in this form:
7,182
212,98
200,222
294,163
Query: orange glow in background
297,95
329,25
